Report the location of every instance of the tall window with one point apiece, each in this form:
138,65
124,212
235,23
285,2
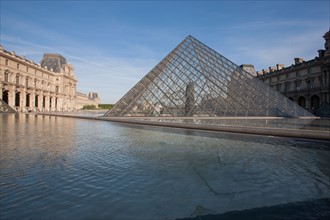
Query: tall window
298,85
309,84
17,80
17,66
287,86
7,62
26,82
325,80
321,80
6,77
56,89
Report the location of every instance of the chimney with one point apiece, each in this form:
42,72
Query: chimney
265,71
271,69
279,66
298,61
327,43
321,53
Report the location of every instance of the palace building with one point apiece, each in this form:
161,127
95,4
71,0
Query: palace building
49,86
307,83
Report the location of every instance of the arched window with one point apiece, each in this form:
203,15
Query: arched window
5,95
17,98
27,100
315,103
302,101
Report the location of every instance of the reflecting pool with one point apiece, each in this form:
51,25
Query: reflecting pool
67,168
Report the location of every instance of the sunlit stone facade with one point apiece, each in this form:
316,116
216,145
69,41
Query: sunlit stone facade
304,82
82,99
48,86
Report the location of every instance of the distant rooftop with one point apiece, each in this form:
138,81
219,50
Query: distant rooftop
53,62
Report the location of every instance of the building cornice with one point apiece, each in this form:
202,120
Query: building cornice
22,60
293,68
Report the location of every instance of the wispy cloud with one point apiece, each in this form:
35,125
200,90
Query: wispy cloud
110,76
95,69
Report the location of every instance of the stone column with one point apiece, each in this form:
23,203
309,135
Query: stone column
60,103
53,103
11,96
56,103
32,101
308,106
40,97
1,88
22,97
46,102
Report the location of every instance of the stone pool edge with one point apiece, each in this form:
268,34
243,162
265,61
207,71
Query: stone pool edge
282,132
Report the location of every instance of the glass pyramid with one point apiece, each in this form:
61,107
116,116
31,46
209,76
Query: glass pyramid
194,80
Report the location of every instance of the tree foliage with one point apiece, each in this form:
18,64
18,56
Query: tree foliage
89,107
105,106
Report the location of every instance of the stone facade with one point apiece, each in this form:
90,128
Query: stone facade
48,86
305,82
92,98
249,68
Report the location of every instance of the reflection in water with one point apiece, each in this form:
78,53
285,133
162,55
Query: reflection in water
35,140
56,168
290,123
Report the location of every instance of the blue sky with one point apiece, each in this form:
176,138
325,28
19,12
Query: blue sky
113,44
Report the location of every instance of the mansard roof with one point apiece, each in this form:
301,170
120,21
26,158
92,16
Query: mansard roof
53,61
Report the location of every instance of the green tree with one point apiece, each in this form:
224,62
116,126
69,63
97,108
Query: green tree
106,106
89,107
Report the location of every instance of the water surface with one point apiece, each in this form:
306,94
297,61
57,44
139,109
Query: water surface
67,168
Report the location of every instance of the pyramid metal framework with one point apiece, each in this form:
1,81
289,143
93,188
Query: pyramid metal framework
194,80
